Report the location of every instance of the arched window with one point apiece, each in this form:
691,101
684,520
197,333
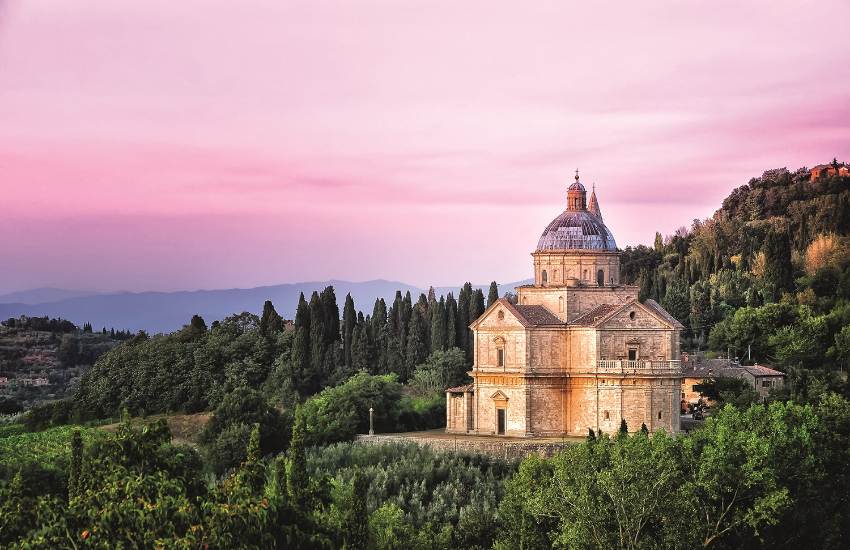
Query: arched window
584,276
600,277
607,416
560,304
544,277
500,351
555,277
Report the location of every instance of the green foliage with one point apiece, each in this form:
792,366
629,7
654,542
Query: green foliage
441,370
418,497
226,435
340,412
734,391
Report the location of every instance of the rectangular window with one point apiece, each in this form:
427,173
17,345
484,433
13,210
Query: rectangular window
500,357
765,383
500,421
632,355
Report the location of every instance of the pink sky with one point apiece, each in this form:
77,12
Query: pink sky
186,144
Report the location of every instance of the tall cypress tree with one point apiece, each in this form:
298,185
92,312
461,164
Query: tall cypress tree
416,350
297,479
778,269
463,309
451,322
270,322
301,370
438,326
493,295
356,528
302,312
349,320
330,315
76,467
318,344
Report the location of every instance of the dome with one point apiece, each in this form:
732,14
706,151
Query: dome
577,186
576,230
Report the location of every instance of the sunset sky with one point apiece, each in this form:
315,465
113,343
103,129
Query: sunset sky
162,144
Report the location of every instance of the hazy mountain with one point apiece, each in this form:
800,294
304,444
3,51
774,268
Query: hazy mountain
168,311
42,295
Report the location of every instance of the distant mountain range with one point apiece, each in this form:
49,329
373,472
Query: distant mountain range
168,311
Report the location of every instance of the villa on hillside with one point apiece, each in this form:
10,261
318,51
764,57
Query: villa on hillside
829,170
763,379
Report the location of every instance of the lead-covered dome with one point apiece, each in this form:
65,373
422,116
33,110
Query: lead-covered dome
576,230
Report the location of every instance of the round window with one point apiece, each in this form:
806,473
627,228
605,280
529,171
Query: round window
632,315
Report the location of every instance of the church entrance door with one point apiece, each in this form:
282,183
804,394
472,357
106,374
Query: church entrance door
500,422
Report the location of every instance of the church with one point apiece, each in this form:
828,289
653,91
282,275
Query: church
578,350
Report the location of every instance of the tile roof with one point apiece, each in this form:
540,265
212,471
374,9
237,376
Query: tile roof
595,315
537,315
461,389
761,370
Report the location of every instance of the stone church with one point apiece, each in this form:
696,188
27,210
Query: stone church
578,350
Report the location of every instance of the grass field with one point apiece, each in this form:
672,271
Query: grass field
46,446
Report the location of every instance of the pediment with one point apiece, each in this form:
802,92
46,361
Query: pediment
636,315
500,315
499,396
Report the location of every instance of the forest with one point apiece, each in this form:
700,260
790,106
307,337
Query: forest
767,279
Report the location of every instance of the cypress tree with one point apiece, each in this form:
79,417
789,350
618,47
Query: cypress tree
778,269
624,428
451,322
416,350
432,297
76,466
349,320
317,338
330,315
356,529
302,313
591,436
438,326
493,295
297,480
359,348
301,366
476,305
643,428
270,322
252,473
463,301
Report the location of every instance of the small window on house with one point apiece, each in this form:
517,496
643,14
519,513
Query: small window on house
659,415
555,276
765,383
500,357
600,277
560,304
632,355
632,315
544,277
584,276
501,314
607,416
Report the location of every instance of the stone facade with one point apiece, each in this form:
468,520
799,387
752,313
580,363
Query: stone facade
577,351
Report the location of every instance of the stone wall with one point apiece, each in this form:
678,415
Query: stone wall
507,450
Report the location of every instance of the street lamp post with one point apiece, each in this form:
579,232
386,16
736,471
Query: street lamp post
371,426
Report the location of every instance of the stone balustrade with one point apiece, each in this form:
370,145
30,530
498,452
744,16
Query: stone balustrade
622,366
